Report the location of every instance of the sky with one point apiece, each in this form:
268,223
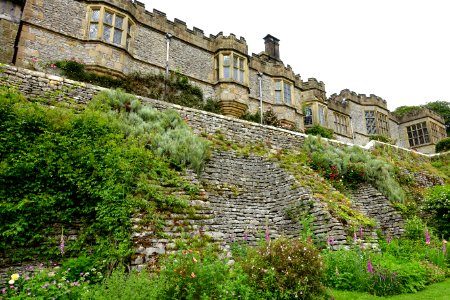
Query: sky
396,49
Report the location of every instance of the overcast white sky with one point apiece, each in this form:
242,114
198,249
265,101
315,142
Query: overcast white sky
396,49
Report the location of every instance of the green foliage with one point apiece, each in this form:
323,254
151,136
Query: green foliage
320,131
352,165
57,167
177,89
404,266
437,203
76,71
49,283
269,117
163,132
415,228
443,145
284,269
382,138
442,108
213,106
201,274
402,110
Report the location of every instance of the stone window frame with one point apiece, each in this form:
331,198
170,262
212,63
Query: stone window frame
126,26
377,122
437,132
283,91
383,123
308,115
322,114
234,69
319,114
418,134
341,123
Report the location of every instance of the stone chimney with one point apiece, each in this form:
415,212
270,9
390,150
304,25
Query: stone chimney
272,47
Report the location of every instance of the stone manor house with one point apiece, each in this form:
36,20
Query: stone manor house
118,37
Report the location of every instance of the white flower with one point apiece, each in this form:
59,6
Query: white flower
15,276
11,281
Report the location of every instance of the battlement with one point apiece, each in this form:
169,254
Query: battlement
231,42
313,83
361,99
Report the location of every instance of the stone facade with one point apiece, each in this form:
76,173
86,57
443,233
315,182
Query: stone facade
220,65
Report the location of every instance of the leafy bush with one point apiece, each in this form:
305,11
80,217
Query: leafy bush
437,203
443,145
49,283
269,117
402,266
382,138
163,132
284,269
353,165
201,274
320,131
57,166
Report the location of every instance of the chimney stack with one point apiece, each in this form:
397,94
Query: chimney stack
272,47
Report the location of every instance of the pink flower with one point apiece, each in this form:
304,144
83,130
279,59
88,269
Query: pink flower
267,234
354,237
369,266
53,66
427,237
34,59
360,233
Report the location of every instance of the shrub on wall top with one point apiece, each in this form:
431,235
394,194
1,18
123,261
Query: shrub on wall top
443,145
321,131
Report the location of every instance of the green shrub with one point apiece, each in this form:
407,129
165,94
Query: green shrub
320,131
201,274
353,165
346,269
443,145
382,138
284,269
93,167
49,283
269,118
437,203
163,132
124,286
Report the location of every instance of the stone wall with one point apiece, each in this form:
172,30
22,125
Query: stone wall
373,204
240,195
10,14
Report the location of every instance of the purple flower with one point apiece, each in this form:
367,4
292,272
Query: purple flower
330,241
427,237
360,233
3,290
354,237
61,247
245,236
267,234
369,266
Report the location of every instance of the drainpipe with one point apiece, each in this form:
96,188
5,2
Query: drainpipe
260,96
168,38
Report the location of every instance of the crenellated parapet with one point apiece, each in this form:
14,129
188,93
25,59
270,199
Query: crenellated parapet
157,20
231,42
361,99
